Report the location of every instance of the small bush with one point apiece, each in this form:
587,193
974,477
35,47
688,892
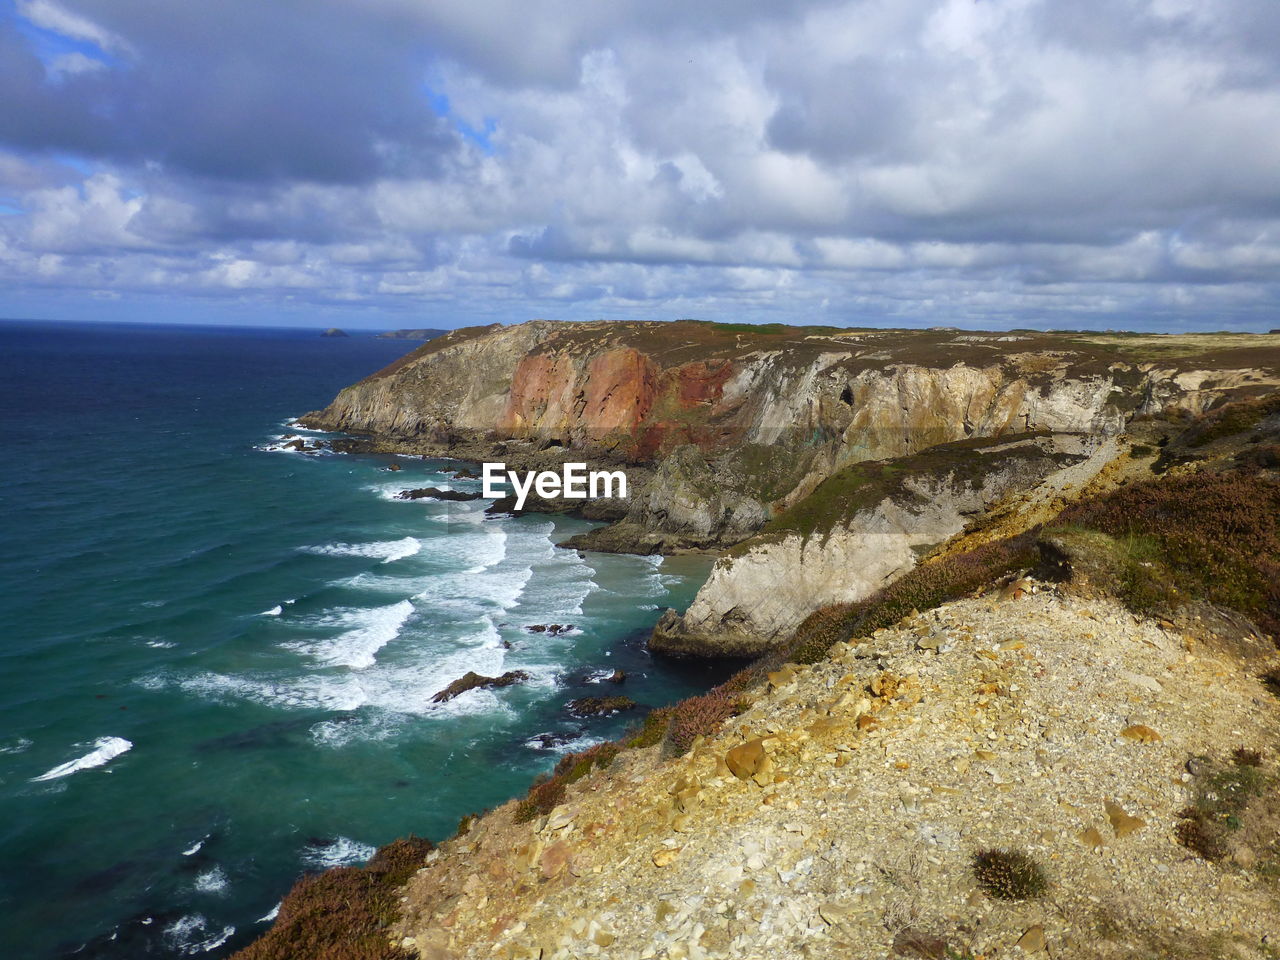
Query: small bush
699,716
651,732
1198,833
545,795
1244,757
344,913
1009,875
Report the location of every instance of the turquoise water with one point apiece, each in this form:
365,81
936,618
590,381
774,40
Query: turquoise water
217,657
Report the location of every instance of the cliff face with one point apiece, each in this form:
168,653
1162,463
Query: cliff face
642,390
862,528
738,427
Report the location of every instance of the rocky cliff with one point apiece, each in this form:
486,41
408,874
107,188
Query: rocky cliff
738,432
862,528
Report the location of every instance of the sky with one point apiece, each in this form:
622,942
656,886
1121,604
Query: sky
431,163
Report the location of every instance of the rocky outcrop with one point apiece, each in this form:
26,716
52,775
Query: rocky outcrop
475,681
600,706
862,528
334,332
436,493
841,815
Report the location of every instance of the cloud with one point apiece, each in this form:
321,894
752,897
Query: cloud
917,161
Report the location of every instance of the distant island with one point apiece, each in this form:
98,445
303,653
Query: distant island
411,334
334,332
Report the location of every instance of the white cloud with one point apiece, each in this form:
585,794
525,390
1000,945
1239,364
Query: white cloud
916,160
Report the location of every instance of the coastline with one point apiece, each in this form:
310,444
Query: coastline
974,524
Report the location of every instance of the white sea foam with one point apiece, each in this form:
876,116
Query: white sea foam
104,750
271,914
192,850
15,746
341,852
161,644
388,550
357,648
295,425
213,880
389,692
190,935
273,612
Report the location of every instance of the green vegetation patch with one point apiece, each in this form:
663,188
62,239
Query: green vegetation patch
1234,812
344,913
862,485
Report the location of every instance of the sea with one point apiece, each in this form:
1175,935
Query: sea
218,654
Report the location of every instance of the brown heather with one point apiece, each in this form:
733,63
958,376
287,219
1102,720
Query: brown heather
343,913
1207,536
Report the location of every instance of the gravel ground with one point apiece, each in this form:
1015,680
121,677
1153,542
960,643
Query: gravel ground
845,826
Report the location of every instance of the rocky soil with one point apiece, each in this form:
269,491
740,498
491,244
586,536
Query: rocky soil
838,816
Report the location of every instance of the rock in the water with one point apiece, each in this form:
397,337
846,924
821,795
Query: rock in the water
472,681
394,467
435,493
553,629
334,332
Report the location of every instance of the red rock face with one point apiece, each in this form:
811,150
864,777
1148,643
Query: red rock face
616,391
620,390
702,382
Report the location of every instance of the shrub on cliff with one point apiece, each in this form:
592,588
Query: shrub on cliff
1201,536
699,717
344,913
548,792
651,731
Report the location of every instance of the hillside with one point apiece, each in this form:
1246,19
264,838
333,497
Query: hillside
421,334
1015,692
